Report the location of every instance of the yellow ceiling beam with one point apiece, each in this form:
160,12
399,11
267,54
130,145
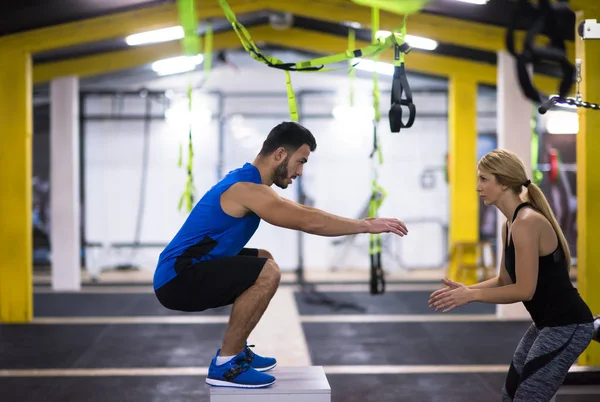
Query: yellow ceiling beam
123,59
301,39
117,25
442,29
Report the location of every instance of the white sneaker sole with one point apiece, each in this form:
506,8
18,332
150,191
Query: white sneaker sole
265,368
220,383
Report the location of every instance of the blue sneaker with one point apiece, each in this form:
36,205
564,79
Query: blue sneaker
258,362
237,373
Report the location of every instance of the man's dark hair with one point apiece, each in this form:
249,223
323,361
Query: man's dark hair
289,135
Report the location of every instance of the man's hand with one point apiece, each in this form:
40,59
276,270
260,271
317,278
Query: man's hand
386,225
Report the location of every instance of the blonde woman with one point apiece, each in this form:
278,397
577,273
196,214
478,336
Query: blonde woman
534,270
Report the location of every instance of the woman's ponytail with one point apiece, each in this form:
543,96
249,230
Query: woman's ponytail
538,200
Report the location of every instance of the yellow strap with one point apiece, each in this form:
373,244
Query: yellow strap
403,31
379,45
291,97
351,70
313,65
398,6
188,192
208,46
378,194
187,19
374,29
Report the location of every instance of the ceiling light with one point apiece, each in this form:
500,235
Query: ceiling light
417,42
352,24
156,36
175,65
372,66
478,2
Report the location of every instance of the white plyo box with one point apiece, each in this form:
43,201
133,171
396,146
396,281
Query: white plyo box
293,384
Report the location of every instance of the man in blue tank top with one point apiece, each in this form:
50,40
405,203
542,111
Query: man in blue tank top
206,265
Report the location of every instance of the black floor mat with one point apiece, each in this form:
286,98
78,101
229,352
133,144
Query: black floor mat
388,303
104,389
345,388
106,305
108,346
413,343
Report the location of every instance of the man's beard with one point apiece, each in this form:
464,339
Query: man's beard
281,174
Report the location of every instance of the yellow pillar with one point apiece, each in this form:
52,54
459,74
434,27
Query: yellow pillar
16,299
588,177
462,174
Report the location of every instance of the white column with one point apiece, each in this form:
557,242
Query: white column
64,184
514,134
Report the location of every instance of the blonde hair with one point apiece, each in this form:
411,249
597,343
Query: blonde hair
509,171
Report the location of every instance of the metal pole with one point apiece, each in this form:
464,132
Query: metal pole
82,121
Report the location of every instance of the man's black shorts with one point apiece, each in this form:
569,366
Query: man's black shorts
212,283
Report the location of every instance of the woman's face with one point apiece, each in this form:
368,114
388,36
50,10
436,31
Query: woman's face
488,188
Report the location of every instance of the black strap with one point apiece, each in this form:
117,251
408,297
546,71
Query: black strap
284,66
552,19
525,204
400,86
377,275
375,146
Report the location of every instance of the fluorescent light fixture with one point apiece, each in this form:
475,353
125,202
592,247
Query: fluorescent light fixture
478,2
561,122
418,42
372,66
352,24
175,65
156,36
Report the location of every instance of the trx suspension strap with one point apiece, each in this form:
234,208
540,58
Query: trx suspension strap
312,65
191,47
535,150
555,19
400,86
377,282
351,70
189,191
400,83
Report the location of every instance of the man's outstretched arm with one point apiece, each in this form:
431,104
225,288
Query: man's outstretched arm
269,206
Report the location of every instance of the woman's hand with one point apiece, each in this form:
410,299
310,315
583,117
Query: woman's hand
454,295
449,286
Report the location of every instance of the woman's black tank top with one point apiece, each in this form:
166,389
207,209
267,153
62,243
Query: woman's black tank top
556,301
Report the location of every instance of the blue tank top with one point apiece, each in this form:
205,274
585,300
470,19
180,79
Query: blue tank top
208,232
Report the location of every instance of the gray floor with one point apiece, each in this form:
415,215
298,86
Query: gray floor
140,345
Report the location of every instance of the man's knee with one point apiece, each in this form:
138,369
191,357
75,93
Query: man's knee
270,273
265,254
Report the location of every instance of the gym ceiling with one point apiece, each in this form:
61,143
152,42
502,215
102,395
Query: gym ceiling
87,37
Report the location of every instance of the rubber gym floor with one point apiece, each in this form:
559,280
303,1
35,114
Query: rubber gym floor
115,342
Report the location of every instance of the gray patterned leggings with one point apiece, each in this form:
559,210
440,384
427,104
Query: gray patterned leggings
542,360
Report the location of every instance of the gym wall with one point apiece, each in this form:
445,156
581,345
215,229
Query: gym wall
119,209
